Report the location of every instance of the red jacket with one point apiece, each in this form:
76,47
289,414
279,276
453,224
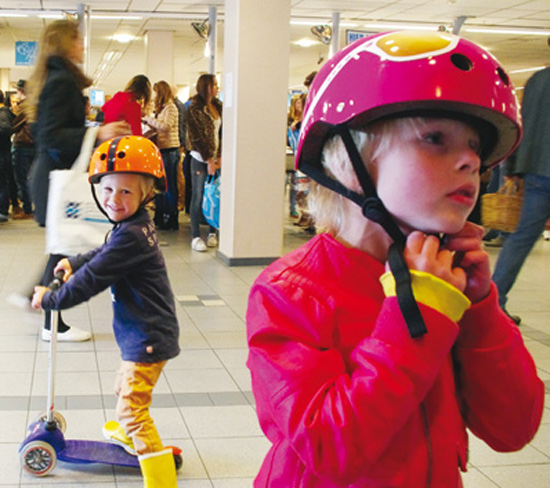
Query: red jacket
347,398
123,107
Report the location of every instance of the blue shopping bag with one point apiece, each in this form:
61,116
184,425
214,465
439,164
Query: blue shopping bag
211,200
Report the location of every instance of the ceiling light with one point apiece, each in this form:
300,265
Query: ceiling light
123,38
3,14
526,70
501,30
377,25
116,17
52,16
306,42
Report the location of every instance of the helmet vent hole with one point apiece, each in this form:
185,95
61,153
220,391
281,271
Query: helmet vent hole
503,76
121,155
461,62
103,156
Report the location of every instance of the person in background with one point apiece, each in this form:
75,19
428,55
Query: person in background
299,182
23,152
57,114
376,345
531,162
204,123
129,105
186,163
6,172
182,113
12,102
166,122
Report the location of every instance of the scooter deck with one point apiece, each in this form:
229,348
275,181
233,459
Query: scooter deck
87,452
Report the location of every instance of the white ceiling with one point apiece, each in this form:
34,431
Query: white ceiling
515,51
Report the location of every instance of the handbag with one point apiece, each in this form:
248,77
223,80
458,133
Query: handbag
501,210
74,224
211,200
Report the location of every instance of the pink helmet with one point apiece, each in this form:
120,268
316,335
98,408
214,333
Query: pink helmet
410,72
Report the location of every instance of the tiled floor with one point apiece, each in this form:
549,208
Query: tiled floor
203,402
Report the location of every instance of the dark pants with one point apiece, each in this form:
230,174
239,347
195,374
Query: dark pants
22,162
5,168
188,186
47,278
166,204
198,178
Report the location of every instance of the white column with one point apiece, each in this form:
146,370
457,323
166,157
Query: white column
335,40
159,56
256,50
212,35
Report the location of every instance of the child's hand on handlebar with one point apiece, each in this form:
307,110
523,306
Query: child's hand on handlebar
63,266
39,292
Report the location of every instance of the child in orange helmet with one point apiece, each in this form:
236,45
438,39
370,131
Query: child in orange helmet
127,170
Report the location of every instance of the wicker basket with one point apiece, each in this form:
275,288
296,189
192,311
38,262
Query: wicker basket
501,210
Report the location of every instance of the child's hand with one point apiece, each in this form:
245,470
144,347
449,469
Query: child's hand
470,256
423,253
65,266
39,292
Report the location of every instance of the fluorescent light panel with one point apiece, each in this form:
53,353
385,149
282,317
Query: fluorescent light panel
526,70
504,30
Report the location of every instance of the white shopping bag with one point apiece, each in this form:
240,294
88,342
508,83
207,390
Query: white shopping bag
74,224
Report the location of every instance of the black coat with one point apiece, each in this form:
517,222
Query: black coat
58,131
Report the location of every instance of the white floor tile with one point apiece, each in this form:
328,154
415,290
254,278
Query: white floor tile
212,422
233,458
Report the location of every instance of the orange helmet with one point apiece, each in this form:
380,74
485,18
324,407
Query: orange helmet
128,154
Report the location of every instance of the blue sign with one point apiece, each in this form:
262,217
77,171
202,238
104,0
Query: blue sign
97,97
354,35
25,53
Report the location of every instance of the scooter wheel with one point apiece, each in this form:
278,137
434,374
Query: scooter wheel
57,418
178,461
38,458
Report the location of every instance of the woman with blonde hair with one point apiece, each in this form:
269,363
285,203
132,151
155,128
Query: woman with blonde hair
57,113
166,122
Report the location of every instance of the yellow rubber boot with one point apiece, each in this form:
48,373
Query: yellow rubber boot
112,431
158,469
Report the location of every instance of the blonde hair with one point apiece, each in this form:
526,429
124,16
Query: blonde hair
57,40
328,207
163,95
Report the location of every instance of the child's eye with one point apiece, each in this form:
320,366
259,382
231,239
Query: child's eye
475,145
433,137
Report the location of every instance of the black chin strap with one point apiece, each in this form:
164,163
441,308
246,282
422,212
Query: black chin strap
404,294
373,209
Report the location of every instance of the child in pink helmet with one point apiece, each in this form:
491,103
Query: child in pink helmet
374,346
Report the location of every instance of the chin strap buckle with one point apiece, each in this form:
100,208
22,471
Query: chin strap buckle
373,209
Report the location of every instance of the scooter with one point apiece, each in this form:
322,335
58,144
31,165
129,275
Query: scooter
45,443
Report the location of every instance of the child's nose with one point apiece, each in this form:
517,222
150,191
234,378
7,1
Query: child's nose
469,160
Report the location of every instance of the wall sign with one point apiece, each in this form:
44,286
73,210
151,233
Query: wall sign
25,53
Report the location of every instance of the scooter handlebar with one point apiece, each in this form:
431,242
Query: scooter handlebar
57,281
